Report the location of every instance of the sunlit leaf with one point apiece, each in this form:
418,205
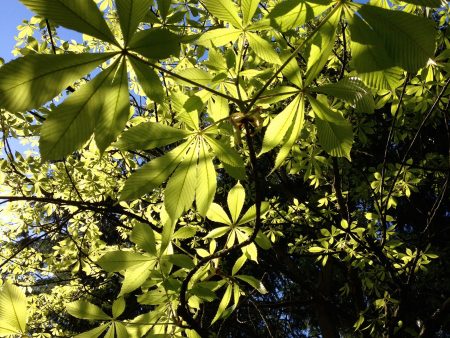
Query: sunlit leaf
224,10
131,13
207,182
84,310
121,260
13,310
235,201
155,43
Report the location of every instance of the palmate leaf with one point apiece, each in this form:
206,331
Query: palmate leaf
235,201
131,13
71,123
113,116
390,78
321,46
207,180
224,10
33,80
149,80
121,330
427,3
82,309
217,214
118,307
263,48
223,303
143,236
252,281
180,190
155,43
153,174
292,14
115,261
353,90
13,310
150,135
280,126
384,38
248,9
80,15
94,333
135,276
219,37
334,131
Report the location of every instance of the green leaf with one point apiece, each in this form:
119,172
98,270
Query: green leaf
155,43
353,90
252,281
13,310
207,182
235,201
384,38
292,71
238,264
292,134
71,123
320,47
149,80
292,14
334,131
203,293
80,15
152,174
217,214
121,330
111,333
131,13
250,214
219,37
224,10
248,8
181,260
426,3
82,309
281,125
186,231
389,78
263,48
217,232
150,135
163,7
32,80
180,190
118,307
218,108
113,116
114,261
223,303
200,76
135,276
224,152
143,236
263,241
94,333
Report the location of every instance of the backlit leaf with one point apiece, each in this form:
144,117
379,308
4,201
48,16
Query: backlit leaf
224,10
13,310
82,309
155,43
235,201
131,13
219,37
149,80
115,261
143,236
207,182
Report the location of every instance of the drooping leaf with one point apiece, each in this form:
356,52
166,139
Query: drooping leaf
280,125
235,201
149,80
248,8
219,37
180,190
82,309
118,307
113,116
150,135
143,236
384,38
71,123
115,261
152,174
223,303
353,90
94,333
217,214
292,14
207,180
155,43
334,131
131,13
32,80
263,48
321,46
252,281
224,10
80,15
292,134
135,276
13,310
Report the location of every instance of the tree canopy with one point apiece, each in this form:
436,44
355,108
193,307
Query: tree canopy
227,168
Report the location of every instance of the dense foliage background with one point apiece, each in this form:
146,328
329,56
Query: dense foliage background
227,168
